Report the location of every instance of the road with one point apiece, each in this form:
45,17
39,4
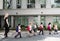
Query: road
45,37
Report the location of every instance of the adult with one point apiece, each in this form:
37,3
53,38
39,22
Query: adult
6,25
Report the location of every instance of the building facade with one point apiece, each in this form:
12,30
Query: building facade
26,11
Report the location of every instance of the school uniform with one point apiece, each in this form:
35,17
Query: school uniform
34,28
30,29
41,29
49,28
18,30
55,28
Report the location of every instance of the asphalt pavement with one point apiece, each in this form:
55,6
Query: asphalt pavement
25,37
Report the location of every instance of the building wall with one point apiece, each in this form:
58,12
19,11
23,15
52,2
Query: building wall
38,12
51,11
49,19
48,12
1,4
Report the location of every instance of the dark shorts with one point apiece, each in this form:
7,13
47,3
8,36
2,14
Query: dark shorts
49,29
34,30
55,30
30,31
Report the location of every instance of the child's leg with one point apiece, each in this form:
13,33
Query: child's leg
34,32
42,32
20,34
39,32
30,32
49,31
16,35
56,31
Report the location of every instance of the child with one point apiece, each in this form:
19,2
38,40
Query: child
29,28
41,29
18,30
34,29
49,28
55,29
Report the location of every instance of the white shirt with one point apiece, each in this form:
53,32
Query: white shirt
55,27
35,26
30,27
19,29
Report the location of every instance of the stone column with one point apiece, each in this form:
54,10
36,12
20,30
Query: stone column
24,4
48,3
13,4
37,4
38,20
1,4
12,21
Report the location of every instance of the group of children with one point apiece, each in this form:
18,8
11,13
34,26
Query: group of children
49,27
32,29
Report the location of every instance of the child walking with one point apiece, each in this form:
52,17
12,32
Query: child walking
41,29
18,30
34,27
49,28
29,28
55,29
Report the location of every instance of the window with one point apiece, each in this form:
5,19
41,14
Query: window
18,2
55,3
23,20
31,4
7,4
56,20
43,20
43,3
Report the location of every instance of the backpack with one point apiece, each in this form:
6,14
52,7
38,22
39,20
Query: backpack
41,28
17,29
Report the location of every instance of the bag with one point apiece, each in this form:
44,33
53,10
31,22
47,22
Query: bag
41,28
17,29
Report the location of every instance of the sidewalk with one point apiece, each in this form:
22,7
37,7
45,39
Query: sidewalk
1,35
11,34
